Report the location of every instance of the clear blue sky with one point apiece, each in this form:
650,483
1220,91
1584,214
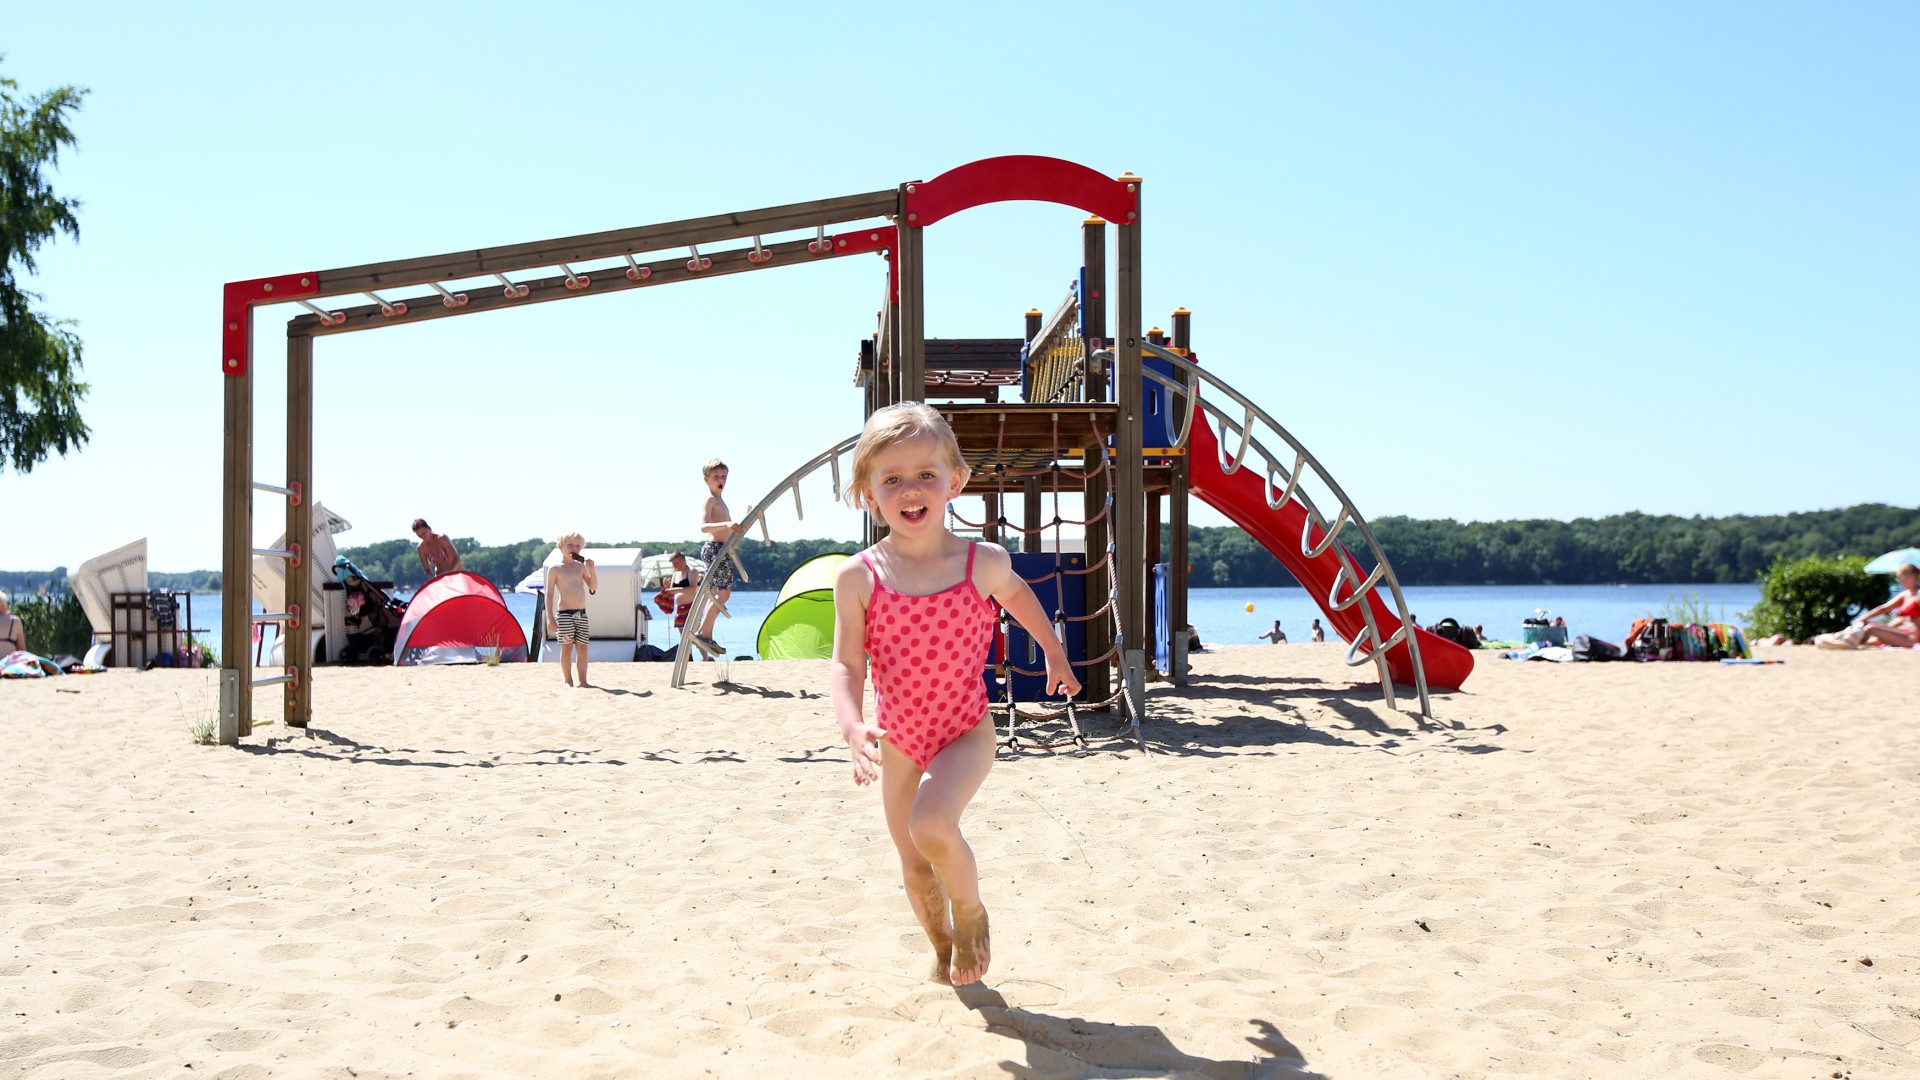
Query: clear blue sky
1487,260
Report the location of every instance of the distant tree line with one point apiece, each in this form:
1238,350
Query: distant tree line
19,583
1623,549
506,564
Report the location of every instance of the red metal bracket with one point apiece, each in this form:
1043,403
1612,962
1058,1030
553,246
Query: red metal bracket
236,322
296,549
883,239
854,243
1025,177
293,612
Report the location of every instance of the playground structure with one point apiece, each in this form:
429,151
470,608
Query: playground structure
1091,398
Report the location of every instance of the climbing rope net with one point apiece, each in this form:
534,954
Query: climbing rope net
1042,719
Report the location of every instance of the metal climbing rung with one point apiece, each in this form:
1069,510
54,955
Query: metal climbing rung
289,677
1354,659
291,491
1275,502
1312,550
291,553
1345,575
278,616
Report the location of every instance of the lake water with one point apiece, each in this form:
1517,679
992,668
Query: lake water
1221,615
1604,611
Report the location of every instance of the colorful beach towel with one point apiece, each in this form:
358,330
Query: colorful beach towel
26,665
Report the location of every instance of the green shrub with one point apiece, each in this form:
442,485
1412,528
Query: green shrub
1815,595
55,623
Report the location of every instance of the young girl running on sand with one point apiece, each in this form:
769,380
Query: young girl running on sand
917,604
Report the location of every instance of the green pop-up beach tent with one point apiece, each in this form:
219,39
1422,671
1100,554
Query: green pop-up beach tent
800,626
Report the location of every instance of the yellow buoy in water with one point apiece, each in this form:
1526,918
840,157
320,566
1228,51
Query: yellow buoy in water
1249,609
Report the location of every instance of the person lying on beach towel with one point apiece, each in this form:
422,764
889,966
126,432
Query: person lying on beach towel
20,664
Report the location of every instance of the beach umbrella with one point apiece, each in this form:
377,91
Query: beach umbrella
656,570
1892,561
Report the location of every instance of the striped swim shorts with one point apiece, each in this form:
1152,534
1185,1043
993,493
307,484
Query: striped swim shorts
572,625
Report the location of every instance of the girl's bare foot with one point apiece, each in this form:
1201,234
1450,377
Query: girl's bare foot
970,945
932,905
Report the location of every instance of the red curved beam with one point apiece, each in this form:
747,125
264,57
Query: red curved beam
1023,177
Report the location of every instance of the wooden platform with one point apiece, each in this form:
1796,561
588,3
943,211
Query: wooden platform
1021,438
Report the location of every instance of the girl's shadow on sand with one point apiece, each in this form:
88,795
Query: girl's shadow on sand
1066,1045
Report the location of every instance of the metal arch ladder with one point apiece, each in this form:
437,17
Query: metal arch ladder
1275,509
756,515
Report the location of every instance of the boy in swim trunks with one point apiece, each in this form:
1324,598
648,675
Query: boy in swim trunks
716,524
920,604
568,584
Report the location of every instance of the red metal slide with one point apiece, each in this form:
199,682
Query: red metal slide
1242,497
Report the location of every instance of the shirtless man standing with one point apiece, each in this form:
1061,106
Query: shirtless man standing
436,552
568,584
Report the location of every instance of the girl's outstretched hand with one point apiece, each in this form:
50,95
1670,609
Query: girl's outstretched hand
864,742
1060,678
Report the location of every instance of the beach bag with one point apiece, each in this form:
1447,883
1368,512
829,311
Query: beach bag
1460,635
1591,648
646,650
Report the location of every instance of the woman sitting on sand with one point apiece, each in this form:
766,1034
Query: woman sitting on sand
1902,628
13,632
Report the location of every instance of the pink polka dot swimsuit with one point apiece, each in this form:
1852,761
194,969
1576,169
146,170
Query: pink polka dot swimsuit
928,656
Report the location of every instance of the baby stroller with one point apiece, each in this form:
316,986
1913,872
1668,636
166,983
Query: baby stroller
372,620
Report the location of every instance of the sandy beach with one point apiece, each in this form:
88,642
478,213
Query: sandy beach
1594,870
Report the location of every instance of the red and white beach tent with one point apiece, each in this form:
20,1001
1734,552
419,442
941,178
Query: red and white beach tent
453,618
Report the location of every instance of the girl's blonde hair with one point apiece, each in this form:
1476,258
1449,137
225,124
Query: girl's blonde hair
566,536
898,423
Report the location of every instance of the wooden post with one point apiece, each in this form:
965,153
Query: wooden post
1177,508
1093,304
880,394
236,560
886,390
910,329
1033,324
990,531
869,377
1031,540
1128,496
298,650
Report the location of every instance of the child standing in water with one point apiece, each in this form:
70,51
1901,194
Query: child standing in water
917,604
